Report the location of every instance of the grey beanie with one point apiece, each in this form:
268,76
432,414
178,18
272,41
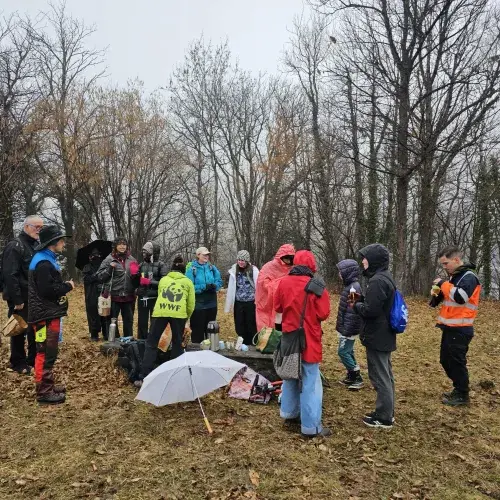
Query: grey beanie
148,247
243,255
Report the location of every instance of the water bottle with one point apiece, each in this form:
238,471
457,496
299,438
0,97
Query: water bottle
112,330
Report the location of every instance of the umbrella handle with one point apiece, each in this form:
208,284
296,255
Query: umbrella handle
207,423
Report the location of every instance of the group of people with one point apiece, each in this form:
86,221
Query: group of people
285,295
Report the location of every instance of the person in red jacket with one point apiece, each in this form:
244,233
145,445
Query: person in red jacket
304,406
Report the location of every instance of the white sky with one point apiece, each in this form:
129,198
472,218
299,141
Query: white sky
148,38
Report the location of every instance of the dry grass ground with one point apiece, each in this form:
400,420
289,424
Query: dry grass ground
103,445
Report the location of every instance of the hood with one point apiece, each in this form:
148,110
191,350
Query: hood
286,249
349,270
377,256
156,250
467,266
176,275
304,258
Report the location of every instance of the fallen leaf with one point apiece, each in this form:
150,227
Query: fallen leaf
461,457
358,439
398,495
135,479
219,441
20,482
254,477
322,447
100,451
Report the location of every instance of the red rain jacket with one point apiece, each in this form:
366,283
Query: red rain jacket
268,280
289,300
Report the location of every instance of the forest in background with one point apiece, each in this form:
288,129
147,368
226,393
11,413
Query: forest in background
381,124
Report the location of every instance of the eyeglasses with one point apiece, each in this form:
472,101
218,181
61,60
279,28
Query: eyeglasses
37,228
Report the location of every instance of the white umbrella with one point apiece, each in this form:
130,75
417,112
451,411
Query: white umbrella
188,377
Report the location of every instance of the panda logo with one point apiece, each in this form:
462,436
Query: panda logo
173,292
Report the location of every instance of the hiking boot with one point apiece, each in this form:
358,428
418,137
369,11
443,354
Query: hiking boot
449,394
292,421
456,399
373,414
375,421
357,382
325,432
59,389
349,379
51,399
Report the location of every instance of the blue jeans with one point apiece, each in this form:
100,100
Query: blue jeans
346,354
306,404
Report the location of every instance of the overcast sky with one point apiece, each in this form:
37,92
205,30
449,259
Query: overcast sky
148,38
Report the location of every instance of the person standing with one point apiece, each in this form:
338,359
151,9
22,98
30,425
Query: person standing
16,259
293,298
377,335
268,281
97,323
48,305
241,296
207,282
119,271
349,323
459,296
151,271
174,306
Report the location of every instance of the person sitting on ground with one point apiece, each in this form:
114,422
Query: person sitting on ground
377,335
304,404
241,296
349,323
174,306
267,282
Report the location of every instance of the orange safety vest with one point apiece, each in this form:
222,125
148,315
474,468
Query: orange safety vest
452,313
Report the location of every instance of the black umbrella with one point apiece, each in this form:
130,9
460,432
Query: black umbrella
82,256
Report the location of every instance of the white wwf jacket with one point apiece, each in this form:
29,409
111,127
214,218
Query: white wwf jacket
231,288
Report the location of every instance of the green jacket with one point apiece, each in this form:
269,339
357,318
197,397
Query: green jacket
176,297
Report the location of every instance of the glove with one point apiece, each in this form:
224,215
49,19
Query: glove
145,281
210,287
134,268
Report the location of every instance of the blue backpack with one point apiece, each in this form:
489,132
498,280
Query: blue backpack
398,314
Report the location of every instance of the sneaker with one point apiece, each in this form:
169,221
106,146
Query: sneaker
373,414
456,399
325,432
375,421
356,384
51,399
349,379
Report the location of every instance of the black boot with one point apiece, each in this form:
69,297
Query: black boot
457,399
357,381
349,379
52,398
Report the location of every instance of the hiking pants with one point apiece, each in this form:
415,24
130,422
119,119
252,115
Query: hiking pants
47,342
151,349
244,321
127,311
380,374
199,321
18,358
144,315
306,404
346,354
453,357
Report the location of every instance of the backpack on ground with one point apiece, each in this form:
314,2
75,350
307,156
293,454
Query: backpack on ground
398,314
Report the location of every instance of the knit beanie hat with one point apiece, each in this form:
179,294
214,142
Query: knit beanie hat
243,255
148,247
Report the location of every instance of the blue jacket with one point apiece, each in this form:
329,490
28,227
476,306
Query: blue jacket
203,276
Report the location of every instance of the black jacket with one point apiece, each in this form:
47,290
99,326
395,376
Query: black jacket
375,307
47,293
348,322
155,271
17,256
91,282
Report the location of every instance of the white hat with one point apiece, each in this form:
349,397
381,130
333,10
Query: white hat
202,251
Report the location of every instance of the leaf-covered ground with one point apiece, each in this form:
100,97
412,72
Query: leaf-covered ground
103,445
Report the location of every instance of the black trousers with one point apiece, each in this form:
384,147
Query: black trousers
144,316
18,357
97,323
127,311
199,321
453,357
158,326
244,321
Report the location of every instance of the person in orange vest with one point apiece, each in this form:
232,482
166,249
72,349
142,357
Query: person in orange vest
459,299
